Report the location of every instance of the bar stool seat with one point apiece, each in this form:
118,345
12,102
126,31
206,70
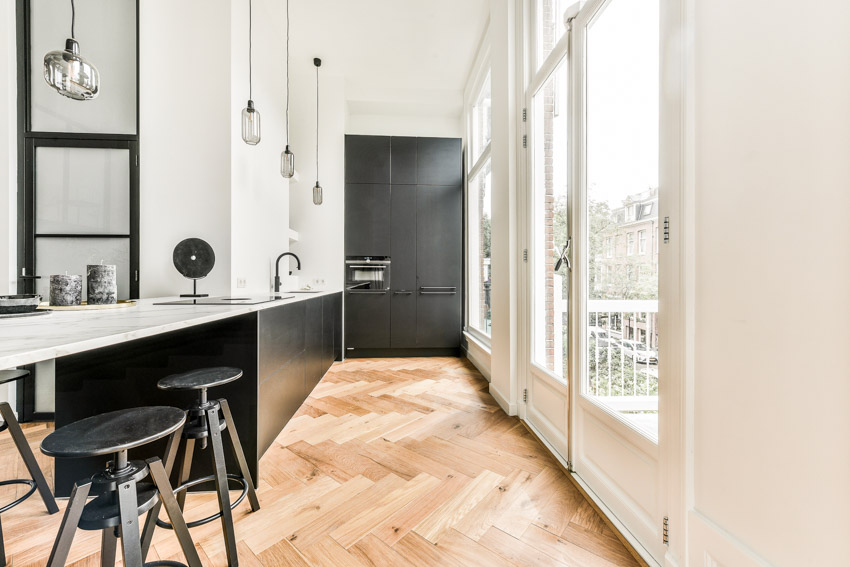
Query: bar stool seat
200,379
113,432
120,496
36,480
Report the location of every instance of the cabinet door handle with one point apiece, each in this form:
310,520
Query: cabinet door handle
403,292
438,292
369,292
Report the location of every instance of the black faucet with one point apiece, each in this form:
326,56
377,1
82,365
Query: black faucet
277,269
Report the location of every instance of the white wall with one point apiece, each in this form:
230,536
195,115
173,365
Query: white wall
185,139
772,272
320,228
259,194
8,150
503,341
8,163
208,183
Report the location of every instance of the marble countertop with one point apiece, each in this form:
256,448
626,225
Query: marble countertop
27,340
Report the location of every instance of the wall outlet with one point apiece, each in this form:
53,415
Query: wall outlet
319,281
241,283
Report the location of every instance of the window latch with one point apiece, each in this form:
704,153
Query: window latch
564,258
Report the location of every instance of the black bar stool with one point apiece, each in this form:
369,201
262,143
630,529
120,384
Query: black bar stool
37,478
120,496
203,422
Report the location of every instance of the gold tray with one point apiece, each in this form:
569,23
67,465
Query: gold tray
85,307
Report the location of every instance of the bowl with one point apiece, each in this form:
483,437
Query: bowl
22,303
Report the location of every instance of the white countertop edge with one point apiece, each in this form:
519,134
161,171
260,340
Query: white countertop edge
44,344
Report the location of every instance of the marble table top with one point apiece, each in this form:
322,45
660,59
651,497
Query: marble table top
34,339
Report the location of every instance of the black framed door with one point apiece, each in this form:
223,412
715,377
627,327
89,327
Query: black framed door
80,205
78,161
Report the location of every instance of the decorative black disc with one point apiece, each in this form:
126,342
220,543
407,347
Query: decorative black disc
194,258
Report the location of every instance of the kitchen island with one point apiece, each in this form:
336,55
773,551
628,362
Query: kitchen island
111,359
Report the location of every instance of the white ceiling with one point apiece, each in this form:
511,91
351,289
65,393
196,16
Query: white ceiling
397,53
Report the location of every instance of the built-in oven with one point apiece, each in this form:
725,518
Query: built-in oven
367,273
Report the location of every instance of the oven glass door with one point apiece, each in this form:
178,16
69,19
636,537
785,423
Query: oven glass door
362,275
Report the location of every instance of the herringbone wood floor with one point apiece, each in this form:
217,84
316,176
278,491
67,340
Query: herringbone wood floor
390,462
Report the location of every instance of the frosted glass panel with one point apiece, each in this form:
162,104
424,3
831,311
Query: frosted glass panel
82,191
106,30
58,255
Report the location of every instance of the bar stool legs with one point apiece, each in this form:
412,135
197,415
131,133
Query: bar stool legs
132,548
240,455
214,426
29,459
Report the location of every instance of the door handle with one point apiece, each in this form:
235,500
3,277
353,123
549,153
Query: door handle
369,292
438,292
402,292
29,277
440,287
565,256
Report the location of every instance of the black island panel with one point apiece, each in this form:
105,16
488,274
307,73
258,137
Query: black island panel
283,352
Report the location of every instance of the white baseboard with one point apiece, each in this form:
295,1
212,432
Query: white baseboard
508,407
479,355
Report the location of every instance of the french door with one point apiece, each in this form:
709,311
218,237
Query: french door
594,228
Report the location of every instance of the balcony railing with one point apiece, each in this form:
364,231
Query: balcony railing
623,351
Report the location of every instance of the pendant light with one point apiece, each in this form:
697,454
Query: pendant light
250,115
317,189
68,72
287,158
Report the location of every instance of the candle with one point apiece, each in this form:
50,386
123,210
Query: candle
102,284
66,290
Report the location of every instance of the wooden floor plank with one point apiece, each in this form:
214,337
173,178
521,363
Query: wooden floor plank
390,462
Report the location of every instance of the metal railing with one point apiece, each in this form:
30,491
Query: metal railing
622,357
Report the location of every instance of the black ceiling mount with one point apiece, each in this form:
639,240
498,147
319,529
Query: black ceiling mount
317,62
194,259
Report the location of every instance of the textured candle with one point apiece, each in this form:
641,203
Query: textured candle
66,290
102,285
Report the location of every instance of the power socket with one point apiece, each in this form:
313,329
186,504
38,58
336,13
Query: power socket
241,283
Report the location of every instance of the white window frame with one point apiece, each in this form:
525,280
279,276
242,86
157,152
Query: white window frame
477,77
642,240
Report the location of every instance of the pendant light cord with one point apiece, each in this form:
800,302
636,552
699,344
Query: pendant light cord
317,124
73,18
287,72
250,50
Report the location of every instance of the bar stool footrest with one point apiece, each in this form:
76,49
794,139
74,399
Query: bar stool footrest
202,480
26,481
165,563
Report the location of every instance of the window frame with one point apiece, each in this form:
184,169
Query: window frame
481,72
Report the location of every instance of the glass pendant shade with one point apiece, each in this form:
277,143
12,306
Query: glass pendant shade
287,163
317,194
251,124
71,74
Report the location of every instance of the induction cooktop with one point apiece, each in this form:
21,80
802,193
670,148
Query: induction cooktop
227,300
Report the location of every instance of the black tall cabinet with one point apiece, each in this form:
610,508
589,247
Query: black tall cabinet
403,199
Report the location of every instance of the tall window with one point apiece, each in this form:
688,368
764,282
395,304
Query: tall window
550,232
478,208
550,26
